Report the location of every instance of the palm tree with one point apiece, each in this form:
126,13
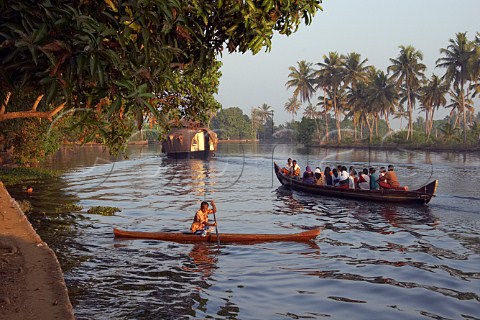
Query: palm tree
449,133
265,113
292,106
476,66
312,113
400,113
357,99
456,101
432,96
256,121
408,71
303,80
382,96
326,104
330,78
354,69
457,61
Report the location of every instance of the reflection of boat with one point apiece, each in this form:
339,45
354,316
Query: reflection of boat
190,140
186,237
422,195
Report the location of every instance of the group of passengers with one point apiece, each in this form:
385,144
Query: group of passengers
366,179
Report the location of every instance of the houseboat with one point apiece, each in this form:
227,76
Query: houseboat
190,140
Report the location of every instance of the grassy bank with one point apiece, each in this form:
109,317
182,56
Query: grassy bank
19,175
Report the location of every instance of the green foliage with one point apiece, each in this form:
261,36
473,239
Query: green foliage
69,207
474,133
104,211
190,95
231,124
148,56
30,138
306,128
450,134
11,176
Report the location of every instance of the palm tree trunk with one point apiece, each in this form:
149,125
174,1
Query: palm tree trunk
337,118
370,128
354,128
426,122
464,118
318,128
430,125
410,115
326,115
361,129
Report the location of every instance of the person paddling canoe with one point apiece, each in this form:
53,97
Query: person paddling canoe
200,223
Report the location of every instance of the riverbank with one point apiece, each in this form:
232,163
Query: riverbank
408,147
437,147
32,284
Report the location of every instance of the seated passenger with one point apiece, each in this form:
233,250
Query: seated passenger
374,176
327,177
295,172
389,180
352,179
382,171
344,178
288,167
335,177
364,180
319,176
308,176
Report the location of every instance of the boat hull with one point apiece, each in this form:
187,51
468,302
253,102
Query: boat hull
422,195
202,155
187,237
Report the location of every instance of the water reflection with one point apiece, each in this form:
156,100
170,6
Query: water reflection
204,257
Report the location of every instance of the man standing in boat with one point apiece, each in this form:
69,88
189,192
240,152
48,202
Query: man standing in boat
200,223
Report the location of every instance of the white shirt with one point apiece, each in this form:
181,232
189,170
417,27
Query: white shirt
344,175
351,182
364,185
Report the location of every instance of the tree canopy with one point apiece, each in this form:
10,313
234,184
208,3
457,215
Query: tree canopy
136,56
82,51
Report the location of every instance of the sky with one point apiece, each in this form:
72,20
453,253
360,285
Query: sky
373,28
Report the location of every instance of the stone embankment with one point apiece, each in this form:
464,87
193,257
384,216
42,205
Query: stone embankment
31,280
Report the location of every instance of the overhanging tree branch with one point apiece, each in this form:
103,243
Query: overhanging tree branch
32,113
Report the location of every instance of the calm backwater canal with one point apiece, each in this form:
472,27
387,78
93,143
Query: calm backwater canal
371,261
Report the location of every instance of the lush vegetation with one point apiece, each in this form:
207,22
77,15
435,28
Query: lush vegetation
22,175
360,97
110,65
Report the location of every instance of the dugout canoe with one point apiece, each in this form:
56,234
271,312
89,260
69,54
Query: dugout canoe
420,196
188,237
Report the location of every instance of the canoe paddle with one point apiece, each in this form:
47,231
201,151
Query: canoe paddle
216,228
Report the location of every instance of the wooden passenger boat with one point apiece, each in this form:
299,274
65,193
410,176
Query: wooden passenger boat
422,195
188,237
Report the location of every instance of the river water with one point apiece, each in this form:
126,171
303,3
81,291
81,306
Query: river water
371,261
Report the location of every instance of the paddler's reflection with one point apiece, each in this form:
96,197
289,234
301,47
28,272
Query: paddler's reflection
204,258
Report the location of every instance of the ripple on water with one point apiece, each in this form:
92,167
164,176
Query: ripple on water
370,261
